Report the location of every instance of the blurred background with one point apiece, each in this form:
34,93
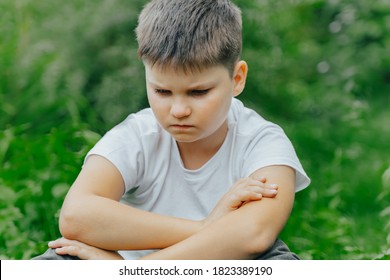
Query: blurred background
319,68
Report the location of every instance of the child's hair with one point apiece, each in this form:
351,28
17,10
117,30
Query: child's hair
190,34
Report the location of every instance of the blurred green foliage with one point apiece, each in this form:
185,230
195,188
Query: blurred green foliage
320,68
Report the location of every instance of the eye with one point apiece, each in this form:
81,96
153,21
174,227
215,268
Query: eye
163,92
199,92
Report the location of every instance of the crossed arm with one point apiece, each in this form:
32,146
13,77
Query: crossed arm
240,226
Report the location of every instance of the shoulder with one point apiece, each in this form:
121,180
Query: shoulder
260,143
136,128
140,123
131,144
133,135
248,123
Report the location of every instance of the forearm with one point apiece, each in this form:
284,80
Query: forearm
110,225
209,244
231,237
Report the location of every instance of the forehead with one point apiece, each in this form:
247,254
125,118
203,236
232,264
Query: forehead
157,74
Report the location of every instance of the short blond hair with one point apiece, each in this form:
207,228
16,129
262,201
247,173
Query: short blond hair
190,34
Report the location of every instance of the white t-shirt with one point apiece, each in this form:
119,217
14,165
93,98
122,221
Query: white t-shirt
155,179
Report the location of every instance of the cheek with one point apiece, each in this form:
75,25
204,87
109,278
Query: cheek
159,108
217,110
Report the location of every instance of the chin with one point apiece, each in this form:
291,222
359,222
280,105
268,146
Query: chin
184,138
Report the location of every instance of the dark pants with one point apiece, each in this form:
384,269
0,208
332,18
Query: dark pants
279,251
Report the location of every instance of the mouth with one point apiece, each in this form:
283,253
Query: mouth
181,126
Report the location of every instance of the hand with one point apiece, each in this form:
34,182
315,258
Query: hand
243,191
81,250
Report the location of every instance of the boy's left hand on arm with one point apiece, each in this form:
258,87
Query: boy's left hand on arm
81,250
243,191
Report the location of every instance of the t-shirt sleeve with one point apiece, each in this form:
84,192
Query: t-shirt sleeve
271,146
123,148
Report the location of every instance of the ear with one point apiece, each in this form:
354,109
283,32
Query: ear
239,77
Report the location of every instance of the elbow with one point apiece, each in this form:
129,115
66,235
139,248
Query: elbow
262,241
69,224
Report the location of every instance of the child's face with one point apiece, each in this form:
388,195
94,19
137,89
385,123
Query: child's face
191,106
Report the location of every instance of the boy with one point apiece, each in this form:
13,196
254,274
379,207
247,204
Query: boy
195,166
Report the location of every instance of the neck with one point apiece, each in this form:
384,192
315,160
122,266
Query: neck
195,154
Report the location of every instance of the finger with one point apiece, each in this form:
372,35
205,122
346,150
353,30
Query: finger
266,191
61,242
56,243
239,197
247,182
254,183
68,250
260,178
270,186
262,184
74,251
269,193
78,249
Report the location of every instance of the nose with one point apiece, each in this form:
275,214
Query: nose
180,108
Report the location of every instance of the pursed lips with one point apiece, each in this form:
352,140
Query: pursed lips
181,126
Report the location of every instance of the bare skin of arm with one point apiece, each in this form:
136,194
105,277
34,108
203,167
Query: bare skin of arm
92,214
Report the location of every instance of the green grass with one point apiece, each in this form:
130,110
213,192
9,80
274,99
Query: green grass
68,74
345,212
